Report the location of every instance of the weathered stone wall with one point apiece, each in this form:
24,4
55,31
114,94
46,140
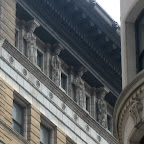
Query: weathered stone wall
8,20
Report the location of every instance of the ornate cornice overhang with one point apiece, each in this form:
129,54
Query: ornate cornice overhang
103,67
58,92
131,93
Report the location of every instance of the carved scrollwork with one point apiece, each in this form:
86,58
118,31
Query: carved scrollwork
136,111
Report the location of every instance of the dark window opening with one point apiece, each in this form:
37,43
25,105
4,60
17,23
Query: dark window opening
109,122
39,59
88,103
25,47
16,39
140,42
142,140
64,81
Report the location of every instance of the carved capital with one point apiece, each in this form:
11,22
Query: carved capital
47,47
32,25
81,71
57,48
136,111
93,91
103,91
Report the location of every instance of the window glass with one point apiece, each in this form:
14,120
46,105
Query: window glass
88,103
109,122
140,41
39,59
25,47
44,135
16,39
17,118
64,81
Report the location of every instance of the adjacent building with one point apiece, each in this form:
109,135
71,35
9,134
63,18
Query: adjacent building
60,72
129,109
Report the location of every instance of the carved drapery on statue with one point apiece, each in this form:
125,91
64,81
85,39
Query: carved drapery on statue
56,64
31,40
102,107
79,87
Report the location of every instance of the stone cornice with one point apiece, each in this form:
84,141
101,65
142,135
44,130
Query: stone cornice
66,38
57,91
131,93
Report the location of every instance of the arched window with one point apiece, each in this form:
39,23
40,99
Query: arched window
140,41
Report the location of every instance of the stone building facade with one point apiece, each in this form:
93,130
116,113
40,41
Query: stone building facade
129,109
52,89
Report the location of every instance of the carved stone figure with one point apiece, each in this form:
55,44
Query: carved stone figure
79,85
31,47
102,107
56,65
31,41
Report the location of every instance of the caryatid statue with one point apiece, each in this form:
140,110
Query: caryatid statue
79,87
56,64
102,106
31,40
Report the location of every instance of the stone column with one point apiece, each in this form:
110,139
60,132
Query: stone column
47,60
102,106
31,41
56,64
79,87
93,103
8,20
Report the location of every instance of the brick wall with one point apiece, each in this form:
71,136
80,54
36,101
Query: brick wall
33,121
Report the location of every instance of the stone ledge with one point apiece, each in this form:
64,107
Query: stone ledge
57,91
